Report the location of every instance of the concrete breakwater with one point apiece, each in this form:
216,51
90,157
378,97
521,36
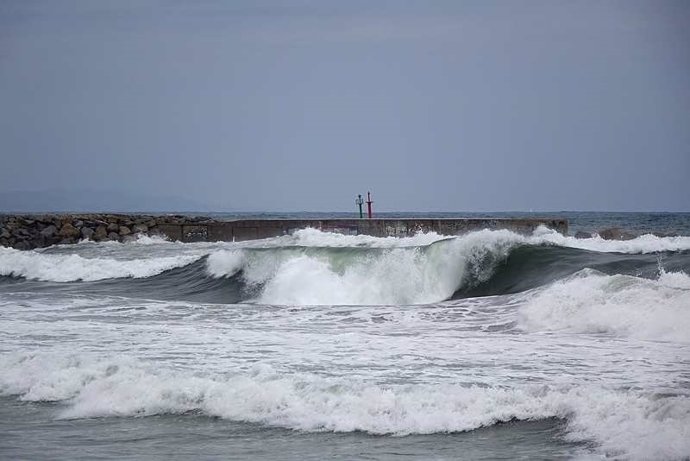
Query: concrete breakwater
250,229
26,232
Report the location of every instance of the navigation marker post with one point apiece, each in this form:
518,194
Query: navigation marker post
359,201
369,202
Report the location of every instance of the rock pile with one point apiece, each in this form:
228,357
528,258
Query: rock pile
615,233
26,232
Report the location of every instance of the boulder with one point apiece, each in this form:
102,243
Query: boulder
78,223
101,233
4,233
49,231
124,230
113,236
47,241
87,233
22,245
113,227
140,229
583,235
21,232
68,231
615,233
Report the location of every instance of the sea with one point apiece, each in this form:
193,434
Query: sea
311,346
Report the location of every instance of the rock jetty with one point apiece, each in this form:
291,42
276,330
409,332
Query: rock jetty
29,231
26,232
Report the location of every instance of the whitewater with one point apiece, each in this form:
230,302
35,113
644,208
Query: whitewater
486,345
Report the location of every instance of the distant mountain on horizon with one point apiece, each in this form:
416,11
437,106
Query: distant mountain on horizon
91,200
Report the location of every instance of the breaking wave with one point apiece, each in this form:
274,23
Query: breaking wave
625,423
353,275
317,268
623,305
68,268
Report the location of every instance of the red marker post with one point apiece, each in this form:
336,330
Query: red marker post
369,202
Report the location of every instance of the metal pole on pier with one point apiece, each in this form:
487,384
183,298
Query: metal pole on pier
359,201
369,202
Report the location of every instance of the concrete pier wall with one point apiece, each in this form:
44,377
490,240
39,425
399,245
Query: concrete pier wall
265,228
25,232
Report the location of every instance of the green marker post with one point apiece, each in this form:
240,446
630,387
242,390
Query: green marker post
359,201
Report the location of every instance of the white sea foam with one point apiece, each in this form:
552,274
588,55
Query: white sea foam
225,263
646,243
311,237
138,239
66,268
592,302
630,424
142,239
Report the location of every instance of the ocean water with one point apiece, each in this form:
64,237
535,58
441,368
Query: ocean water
490,345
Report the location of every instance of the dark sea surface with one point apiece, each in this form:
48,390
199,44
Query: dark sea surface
490,345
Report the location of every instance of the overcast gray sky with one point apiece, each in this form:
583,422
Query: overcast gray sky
300,105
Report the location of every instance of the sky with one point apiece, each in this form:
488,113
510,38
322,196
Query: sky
302,105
